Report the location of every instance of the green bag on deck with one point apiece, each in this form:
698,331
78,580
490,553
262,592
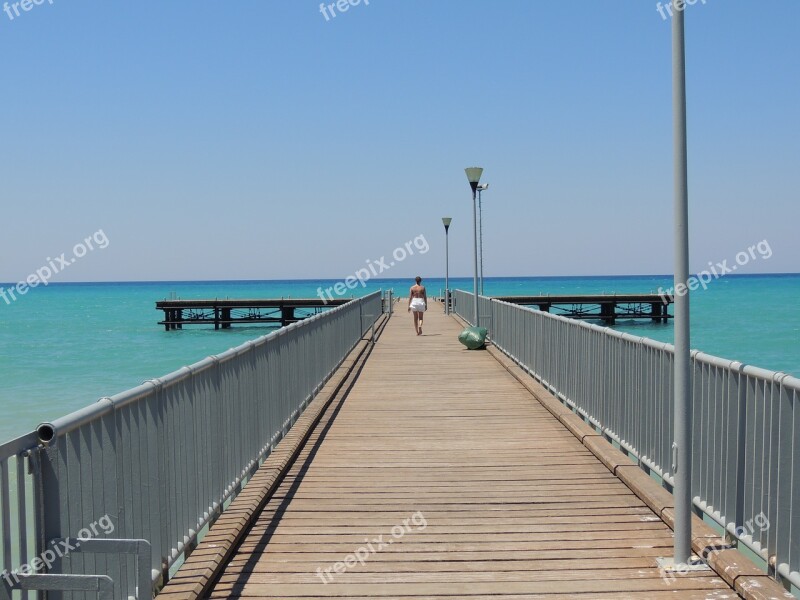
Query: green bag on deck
473,337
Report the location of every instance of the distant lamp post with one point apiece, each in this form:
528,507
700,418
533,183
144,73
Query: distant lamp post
474,177
481,188
446,222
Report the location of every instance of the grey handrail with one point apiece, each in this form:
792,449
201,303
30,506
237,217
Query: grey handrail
159,462
746,421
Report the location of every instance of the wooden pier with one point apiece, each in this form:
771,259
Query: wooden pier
603,307
427,471
222,314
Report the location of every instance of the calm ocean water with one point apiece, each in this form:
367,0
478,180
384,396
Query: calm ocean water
66,345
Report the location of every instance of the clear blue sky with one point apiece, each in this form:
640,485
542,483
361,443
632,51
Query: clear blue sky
256,140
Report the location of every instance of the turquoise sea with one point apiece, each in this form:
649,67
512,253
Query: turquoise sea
66,345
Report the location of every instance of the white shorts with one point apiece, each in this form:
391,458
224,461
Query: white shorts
417,305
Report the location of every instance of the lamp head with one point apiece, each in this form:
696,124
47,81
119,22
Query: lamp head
474,176
446,221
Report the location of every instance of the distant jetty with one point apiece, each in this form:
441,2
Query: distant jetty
604,307
222,314
280,312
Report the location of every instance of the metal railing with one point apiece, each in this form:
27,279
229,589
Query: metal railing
18,496
746,420
155,465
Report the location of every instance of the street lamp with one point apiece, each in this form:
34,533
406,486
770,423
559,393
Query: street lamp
446,222
682,446
481,188
682,559
474,177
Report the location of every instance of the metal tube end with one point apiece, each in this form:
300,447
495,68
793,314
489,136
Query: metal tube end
46,432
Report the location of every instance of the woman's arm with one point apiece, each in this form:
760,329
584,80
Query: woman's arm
425,297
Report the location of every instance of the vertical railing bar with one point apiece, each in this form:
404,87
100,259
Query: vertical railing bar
22,515
5,515
792,532
86,493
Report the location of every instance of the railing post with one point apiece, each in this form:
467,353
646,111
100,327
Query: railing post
741,439
48,503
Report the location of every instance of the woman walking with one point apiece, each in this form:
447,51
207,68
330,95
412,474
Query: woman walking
418,303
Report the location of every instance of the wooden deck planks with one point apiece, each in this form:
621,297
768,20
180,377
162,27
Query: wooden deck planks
500,499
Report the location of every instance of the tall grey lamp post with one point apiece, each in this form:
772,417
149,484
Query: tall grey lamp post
446,222
481,188
682,446
474,177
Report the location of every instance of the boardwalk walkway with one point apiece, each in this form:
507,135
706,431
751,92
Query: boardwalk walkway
476,489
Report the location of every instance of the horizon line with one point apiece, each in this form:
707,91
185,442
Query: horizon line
309,280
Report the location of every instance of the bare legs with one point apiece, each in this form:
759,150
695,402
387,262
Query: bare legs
417,322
